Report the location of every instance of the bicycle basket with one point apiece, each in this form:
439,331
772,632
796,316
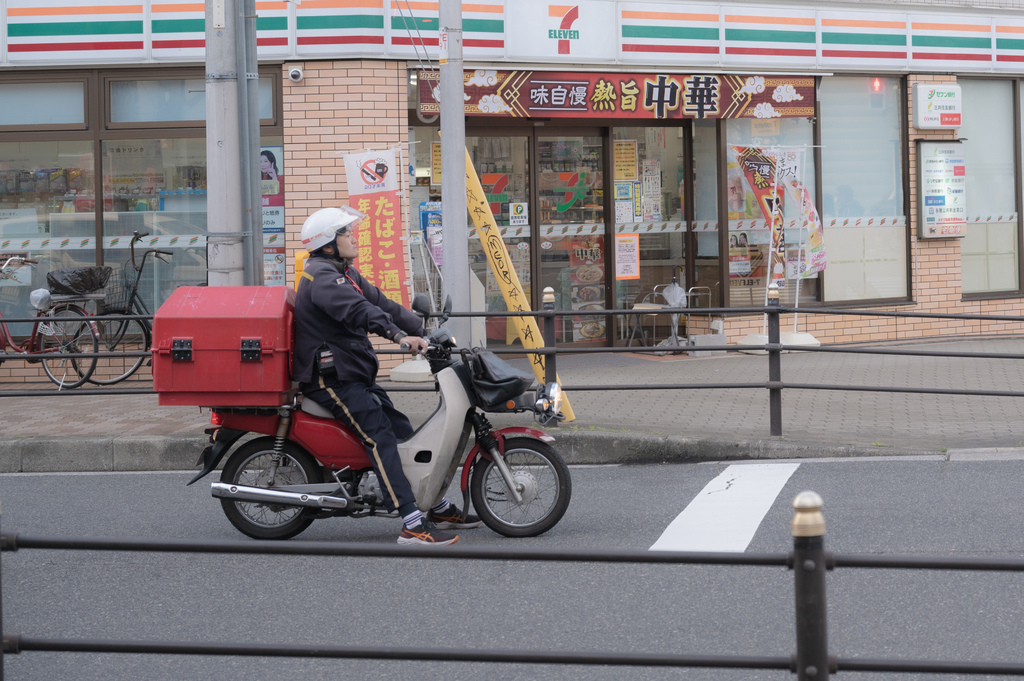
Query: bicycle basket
119,290
77,280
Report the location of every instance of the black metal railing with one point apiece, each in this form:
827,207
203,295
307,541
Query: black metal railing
772,350
808,559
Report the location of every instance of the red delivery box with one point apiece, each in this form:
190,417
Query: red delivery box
224,346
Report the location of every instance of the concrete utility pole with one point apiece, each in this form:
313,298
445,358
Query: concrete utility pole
455,228
234,211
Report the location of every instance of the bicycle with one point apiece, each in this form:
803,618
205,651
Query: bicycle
71,340
128,336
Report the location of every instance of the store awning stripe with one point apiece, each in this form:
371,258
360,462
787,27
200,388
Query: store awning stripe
340,4
950,41
400,23
340,21
199,25
773,52
788,21
861,23
342,40
72,11
863,39
35,30
669,32
676,49
1010,43
765,36
75,47
200,43
951,56
863,54
686,17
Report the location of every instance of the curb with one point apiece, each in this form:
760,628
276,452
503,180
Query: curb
168,453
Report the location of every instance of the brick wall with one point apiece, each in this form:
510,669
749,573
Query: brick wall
935,279
338,107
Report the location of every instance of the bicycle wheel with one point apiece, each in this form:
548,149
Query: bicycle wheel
120,335
68,336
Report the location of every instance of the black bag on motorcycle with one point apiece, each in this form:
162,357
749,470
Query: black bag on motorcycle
495,381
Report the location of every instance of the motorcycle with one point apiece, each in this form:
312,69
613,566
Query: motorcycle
306,465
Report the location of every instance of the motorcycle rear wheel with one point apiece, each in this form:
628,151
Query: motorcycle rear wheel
250,465
544,484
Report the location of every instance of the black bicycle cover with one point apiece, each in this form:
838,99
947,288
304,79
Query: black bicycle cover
77,280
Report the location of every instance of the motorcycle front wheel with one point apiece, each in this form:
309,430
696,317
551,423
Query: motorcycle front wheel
252,465
542,479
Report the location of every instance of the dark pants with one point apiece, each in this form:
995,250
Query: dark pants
368,411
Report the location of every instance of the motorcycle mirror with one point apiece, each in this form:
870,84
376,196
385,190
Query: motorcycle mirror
421,305
446,310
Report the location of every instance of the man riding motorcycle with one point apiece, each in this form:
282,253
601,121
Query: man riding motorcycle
335,311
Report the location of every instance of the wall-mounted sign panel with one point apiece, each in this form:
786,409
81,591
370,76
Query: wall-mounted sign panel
644,96
937,106
942,184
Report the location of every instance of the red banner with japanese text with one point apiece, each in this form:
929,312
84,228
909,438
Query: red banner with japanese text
565,94
373,189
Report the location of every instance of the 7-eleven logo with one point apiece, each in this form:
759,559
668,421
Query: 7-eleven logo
564,33
498,183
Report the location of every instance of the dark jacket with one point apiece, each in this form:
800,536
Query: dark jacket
336,306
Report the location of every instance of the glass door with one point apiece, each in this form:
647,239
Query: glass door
570,211
503,164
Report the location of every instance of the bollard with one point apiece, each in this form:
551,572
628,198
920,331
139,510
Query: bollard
549,334
774,362
812,660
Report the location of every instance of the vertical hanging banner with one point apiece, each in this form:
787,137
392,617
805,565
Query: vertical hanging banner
373,189
272,199
759,168
505,274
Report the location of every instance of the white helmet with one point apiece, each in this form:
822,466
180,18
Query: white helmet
321,227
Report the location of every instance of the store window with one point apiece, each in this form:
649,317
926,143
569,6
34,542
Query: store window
42,104
570,194
786,144
705,211
157,187
989,249
172,100
66,207
862,188
649,190
47,192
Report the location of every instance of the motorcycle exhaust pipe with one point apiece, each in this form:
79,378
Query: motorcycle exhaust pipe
262,495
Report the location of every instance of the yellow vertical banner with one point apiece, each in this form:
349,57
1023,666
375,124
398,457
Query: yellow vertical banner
505,274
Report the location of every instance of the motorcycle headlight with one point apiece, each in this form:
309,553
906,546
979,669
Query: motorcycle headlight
555,397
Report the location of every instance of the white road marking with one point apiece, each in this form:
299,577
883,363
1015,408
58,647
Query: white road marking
727,512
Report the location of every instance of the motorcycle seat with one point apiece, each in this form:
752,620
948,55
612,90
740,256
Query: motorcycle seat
314,409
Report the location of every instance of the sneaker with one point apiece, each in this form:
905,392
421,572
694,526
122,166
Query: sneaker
452,519
426,534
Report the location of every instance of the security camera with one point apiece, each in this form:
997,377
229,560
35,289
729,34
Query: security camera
295,74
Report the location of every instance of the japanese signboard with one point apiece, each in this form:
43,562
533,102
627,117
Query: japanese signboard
555,94
627,256
272,199
373,189
941,206
937,106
